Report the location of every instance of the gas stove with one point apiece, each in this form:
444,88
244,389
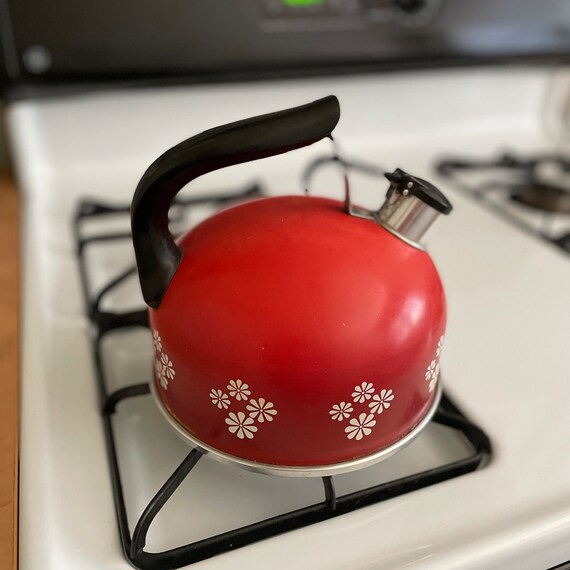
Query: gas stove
97,458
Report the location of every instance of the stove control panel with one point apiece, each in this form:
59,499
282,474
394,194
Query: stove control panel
289,15
413,13
309,8
267,38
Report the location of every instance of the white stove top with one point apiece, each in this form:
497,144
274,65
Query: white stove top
506,361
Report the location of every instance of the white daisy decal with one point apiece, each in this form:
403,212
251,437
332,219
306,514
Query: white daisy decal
167,368
430,371
156,341
238,390
363,392
241,425
158,368
220,399
433,381
381,402
440,345
261,410
360,427
160,373
341,411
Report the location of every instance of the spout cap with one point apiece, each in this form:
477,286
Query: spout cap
411,206
407,184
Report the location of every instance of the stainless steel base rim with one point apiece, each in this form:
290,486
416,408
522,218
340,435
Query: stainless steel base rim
295,470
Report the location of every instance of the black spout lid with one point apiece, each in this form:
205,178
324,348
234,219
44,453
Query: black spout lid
425,191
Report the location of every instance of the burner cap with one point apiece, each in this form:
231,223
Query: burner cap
542,197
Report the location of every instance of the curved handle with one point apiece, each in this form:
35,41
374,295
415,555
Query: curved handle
158,256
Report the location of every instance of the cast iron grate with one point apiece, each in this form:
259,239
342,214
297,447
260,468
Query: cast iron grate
133,543
540,185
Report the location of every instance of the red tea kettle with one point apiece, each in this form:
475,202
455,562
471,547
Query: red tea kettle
291,336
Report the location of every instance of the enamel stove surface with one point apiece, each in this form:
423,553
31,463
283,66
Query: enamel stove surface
505,362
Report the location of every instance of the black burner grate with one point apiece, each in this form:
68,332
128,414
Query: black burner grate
540,185
133,543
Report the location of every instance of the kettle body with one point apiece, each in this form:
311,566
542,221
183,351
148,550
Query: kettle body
295,338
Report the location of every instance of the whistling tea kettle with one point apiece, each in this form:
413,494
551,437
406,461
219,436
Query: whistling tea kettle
291,336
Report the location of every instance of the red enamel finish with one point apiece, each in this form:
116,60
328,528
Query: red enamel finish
302,302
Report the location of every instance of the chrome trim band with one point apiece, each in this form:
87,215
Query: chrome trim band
294,470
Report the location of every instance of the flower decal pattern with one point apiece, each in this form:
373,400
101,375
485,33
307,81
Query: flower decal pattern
363,396
440,345
433,381
432,371
158,368
363,392
381,402
261,410
163,367
156,342
358,428
220,399
244,422
341,411
167,368
238,390
241,425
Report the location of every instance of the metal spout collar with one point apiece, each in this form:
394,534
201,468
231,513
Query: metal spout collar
411,207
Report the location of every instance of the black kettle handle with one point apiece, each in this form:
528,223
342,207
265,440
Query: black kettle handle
157,254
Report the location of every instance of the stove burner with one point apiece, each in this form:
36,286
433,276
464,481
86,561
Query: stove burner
542,197
540,183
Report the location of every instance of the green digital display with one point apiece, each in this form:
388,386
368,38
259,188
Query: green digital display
300,3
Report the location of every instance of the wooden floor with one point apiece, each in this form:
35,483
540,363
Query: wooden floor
9,317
